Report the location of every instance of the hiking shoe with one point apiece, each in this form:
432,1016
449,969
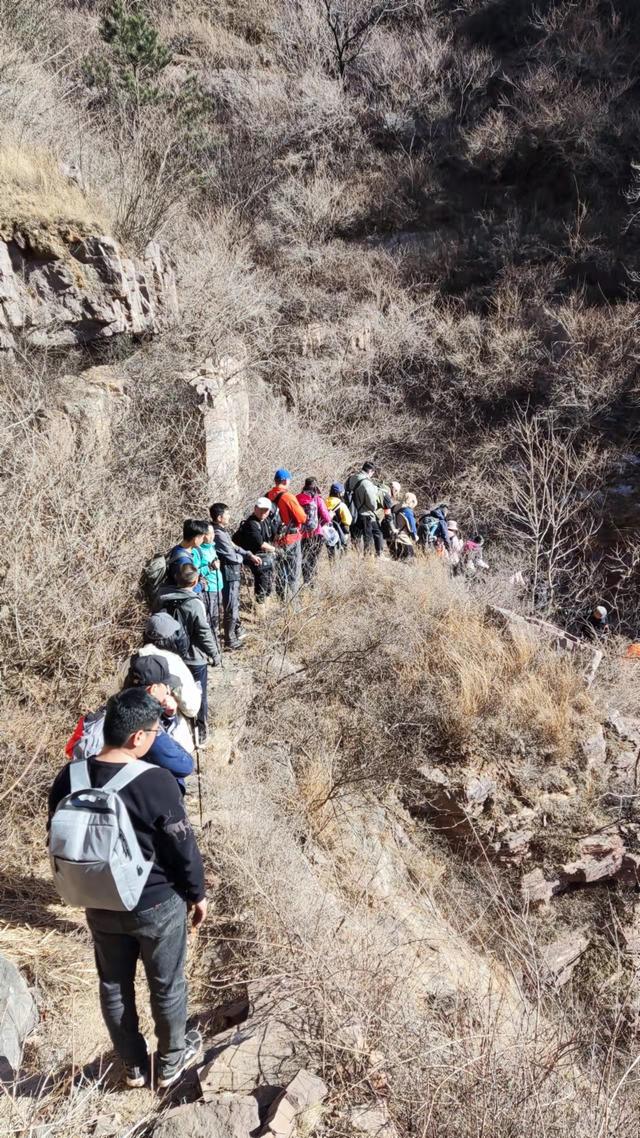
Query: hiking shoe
234,645
135,1076
169,1073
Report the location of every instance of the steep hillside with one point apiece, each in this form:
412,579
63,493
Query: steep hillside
304,231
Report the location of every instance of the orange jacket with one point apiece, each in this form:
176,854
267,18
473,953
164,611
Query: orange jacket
291,512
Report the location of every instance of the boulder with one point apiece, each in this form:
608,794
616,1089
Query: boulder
560,957
18,1016
245,1056
228,1117
298,1107
594,748
84,406
225,408
372,1120
624,727
536,890
62,288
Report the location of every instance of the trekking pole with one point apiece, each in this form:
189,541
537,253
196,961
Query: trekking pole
196,743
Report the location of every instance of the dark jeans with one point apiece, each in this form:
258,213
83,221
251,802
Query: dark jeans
402,552
212,604
311,550
263,578
369,530
288,570
159,937
231,602
199,673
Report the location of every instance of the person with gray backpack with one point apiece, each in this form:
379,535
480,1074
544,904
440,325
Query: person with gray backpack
122,848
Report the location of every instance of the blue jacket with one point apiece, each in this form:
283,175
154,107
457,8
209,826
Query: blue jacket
411,518
181,556
166,752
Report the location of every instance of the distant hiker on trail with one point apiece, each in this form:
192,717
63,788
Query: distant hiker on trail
341,519
361,490
599,621
288,516
255,534
456,547
162,637
188,609
194,533
405,536
472,556
207,562
433,532
232,558
316,516
136,891
152,673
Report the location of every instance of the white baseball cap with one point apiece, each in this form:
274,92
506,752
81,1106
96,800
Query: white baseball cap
263,504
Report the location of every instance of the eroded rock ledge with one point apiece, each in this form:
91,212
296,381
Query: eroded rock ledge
61,288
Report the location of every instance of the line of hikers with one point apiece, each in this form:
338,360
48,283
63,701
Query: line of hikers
120,841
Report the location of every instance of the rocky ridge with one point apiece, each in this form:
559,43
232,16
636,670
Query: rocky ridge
60,287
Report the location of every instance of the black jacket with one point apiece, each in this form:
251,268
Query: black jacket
252,533
155,807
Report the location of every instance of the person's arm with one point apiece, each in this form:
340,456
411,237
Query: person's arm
177,850
344,515
298,513
323,514
170,755
369,495
188,694
201,634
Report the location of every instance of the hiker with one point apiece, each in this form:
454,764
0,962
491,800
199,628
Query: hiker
181,602
472,557
194,533
399,528
151,673
136,892
163,636
232,558
287,516
599,621
361,490
433,532
395,490
255,534
456,546
341,519
207,562
313,538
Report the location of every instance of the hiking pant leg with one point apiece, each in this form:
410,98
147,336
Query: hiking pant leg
162,933
378,537
311,550
366,531
210,599
116,955
289,571
231,599
199,673
263,578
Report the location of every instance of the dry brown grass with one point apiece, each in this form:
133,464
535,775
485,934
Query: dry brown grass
35,191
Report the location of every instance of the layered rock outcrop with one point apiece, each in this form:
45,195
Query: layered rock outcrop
59,288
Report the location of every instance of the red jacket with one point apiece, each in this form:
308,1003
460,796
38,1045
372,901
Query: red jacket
291,513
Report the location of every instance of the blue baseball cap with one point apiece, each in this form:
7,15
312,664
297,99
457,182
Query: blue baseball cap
337,488
283,475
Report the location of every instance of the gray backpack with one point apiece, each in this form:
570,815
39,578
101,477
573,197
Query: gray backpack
93,848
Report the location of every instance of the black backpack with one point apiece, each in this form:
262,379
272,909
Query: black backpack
278,528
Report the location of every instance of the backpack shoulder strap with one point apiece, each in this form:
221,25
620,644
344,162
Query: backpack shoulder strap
79,776
129,772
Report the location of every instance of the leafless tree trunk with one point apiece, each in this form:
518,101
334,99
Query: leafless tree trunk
350,23
550,487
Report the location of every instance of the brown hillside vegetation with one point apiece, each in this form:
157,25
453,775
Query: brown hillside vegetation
417,229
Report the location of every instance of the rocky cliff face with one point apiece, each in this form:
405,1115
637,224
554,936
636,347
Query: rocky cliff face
59,288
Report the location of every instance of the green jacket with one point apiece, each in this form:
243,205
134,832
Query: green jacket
203,555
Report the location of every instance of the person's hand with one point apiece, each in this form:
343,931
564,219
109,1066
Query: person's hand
198,913
215,564
268,548
170,705
254,560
